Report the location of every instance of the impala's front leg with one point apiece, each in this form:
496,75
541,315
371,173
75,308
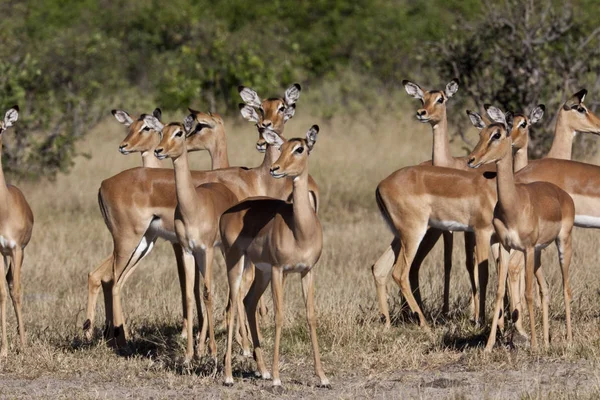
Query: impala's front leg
502,274
529,272
308,289
14,287
178,250
277,288
235,265
96,281
3,297
543,285
190,274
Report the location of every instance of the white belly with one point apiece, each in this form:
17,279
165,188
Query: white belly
449,225
586,221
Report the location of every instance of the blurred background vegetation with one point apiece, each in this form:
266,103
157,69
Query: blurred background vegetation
68,62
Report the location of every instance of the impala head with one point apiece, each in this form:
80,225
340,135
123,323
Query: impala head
434,101
577,116
173,138
203,130
10,118
140,136
495,139
271,113
521,123
293,159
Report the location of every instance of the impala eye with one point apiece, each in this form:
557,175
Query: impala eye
179,133
299,150
441,99
581,109
524,124
281,109
496,135
146,128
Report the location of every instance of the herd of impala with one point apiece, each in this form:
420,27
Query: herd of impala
264,219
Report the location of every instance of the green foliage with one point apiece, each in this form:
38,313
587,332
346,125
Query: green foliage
67,62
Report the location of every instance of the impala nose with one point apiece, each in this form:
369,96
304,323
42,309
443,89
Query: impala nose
422,113
158,151
123,147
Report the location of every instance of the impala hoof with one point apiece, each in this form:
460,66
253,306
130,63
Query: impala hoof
228,382
277,382
325,384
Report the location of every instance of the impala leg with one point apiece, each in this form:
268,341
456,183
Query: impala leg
243,328
495,250
96,280
3,297
127,255
516,274
410,244
429,240
470,257
190,275
208,302
14,288
277,288
178,250
448,245
543,286
482,251
529,272
308,289
381,270
235,266
502,274
260,283
565,252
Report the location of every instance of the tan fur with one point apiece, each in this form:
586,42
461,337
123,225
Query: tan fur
16,225
527,218
279,238
196,226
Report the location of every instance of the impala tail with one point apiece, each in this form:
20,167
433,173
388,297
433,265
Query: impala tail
384,212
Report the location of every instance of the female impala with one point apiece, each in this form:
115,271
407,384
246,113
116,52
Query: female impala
413,198
143,139
527,218
16,224
279,238
196,223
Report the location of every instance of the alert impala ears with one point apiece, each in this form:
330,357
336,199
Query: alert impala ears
11,117
123,117
476,119
311,137
272,138
451,88
153,123
249,113
413,89
575,100
536,114
292,94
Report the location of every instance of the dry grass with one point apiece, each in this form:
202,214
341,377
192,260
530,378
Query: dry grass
361,359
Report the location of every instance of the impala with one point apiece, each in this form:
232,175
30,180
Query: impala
16,225
196,222
414,198
143,212
143,139
527,218
279,238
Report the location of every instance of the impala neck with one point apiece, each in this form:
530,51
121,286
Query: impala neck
304,214
505,185
184,185
562,144
441,144
521,159
3,187
149,160
271,155
218,149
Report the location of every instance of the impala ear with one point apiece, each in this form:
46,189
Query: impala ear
249,96
153,123
123,117
509,122
311,137
476,119
192,111
536,114
494,113
292,94
157,113
452,87
413,89
272,138
249,113
289,112
575,100
188,124
11,116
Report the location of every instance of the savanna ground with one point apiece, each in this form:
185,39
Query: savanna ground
361,359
